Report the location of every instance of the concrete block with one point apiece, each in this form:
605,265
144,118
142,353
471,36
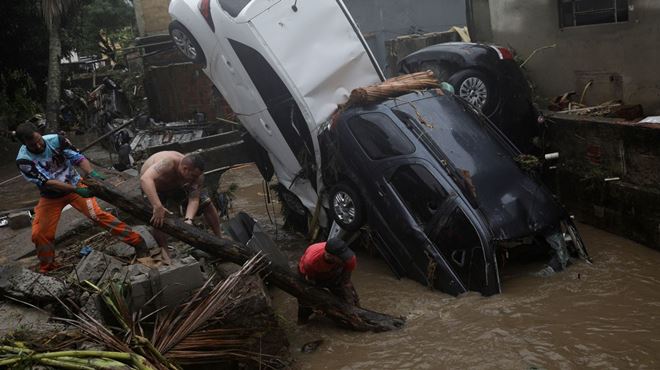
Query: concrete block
120,249
134,270
131,172
19,220
97,267
24,284
177,283
224,269
19,316
92,307
146,235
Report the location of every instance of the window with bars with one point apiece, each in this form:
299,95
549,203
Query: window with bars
584,12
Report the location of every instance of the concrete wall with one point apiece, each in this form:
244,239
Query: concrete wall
622,58
594,149
151,16
382,20
176,88
478,20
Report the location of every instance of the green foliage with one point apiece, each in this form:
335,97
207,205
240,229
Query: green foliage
23,45
99,24
24,48
24,62
17,101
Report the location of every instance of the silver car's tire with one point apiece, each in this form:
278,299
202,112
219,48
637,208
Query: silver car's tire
346,207
477,88
186,43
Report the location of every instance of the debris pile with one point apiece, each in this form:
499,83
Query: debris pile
612,108
224,322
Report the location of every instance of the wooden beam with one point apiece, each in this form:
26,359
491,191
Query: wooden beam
342,313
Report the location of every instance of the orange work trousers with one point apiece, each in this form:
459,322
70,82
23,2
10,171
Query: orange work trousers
47,214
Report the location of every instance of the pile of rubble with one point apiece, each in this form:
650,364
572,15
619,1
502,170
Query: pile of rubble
191,311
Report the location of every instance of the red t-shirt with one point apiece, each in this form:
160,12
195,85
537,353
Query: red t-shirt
314,267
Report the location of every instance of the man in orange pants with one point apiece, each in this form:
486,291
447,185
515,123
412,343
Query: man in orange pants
48,161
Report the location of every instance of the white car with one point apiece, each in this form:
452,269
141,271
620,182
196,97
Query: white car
283,66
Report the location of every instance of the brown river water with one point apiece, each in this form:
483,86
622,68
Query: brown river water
604,315
601,316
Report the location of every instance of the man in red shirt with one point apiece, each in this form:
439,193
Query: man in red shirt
328,265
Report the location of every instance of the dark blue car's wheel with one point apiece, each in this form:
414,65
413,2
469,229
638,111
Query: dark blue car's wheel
477,88
346,207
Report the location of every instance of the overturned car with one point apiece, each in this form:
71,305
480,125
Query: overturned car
440,189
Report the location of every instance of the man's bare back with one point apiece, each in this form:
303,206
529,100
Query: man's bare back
165,164
169,171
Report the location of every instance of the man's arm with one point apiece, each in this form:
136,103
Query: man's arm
348,290
193,200
148,184
85,166
72,154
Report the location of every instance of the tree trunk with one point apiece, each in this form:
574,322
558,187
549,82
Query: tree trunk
54,75
344,314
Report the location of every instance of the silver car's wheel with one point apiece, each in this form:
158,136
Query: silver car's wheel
344,207
186,43
474,91
477,88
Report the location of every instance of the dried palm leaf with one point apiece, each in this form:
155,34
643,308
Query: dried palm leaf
391,88
197,312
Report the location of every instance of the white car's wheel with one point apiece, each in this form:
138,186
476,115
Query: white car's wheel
186,43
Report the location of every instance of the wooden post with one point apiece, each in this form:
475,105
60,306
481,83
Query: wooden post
342,313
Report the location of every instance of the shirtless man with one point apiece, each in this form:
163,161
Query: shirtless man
173,176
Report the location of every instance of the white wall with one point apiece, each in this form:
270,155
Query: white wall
630,49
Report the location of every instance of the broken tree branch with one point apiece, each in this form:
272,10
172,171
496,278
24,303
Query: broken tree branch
342,313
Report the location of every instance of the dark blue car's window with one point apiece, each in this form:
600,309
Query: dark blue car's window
233,7
458,241
378,135
419,190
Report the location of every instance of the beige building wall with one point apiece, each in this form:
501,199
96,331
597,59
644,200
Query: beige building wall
622,59
152,16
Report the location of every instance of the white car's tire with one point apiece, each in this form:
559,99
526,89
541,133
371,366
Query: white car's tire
186,43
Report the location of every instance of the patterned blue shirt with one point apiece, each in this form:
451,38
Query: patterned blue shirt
54,163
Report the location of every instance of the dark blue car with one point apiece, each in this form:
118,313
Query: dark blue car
437,184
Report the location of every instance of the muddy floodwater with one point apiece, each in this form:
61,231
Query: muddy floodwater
600,316
604,315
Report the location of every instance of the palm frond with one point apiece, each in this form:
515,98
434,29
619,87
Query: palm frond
199,311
